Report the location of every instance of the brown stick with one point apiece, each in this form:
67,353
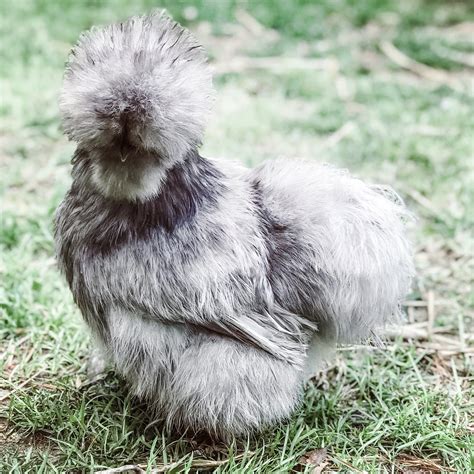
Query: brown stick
161,468
21,385
129,467
338,135
431,313
276,64
420,69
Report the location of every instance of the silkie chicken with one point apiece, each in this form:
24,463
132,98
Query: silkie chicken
213,289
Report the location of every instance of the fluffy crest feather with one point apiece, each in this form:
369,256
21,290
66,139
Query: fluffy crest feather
143,83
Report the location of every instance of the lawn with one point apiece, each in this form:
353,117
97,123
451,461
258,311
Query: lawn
383,88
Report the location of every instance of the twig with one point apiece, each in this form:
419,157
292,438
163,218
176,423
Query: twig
343,89
420,69
458,31
200,463
456,377
21,385
319,469
424,304
428,348
161,468
424,202
345,463
429,131
129,467
338,135
13,345
276,64
432,465
251,24
9,354
466,59
441,349
431,313
447,342
24,361
462,333
408,331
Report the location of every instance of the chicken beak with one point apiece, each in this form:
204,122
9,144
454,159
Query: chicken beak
123,149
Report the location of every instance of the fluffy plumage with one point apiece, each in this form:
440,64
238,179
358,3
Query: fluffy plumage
214,290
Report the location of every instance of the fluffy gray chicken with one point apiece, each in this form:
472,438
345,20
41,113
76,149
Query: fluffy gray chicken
214,290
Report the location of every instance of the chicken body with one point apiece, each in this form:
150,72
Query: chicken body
215,290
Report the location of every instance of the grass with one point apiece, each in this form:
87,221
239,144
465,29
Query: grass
403,407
